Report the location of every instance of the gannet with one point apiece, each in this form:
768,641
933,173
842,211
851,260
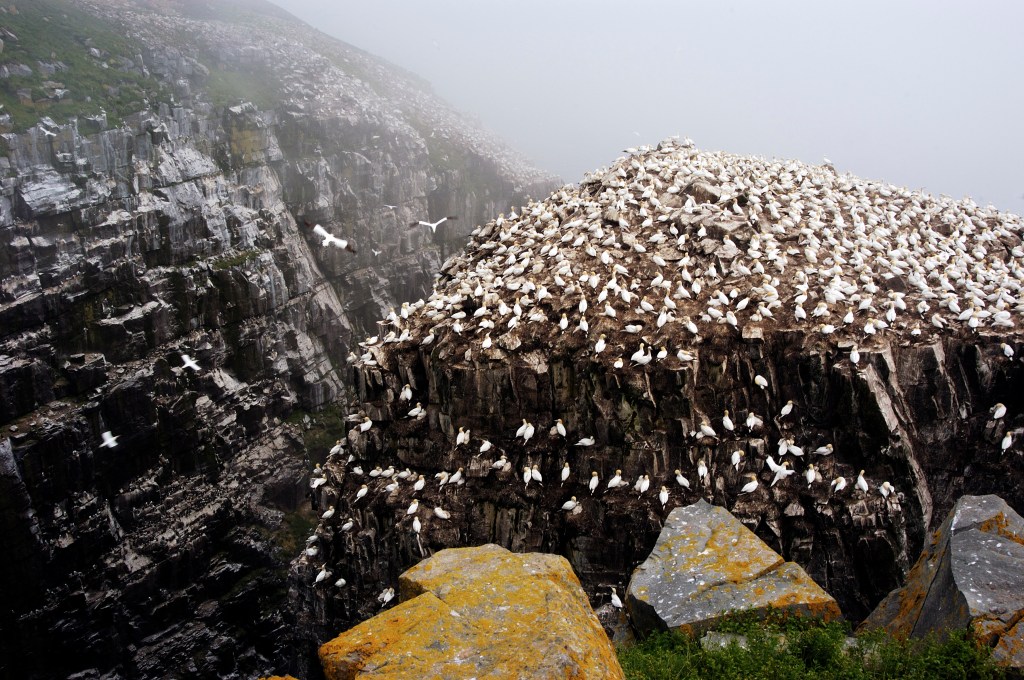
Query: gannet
366,424
681,480
442,513
760,381
787,409
1007,441
535,474
565,473
188,362
727,421
433,225
419,484
737,459
500,463
322,575
781,472
616,480
570,504
416,525
616,602
527,476
585,441
702,472
413,507
330,239
416,412
750,486
643,484
594,482
406,394
362,492
861,484
109,440
328,513
810,475
462,437
998,411
347,524
838,484
559,428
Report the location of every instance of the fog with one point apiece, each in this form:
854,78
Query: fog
922,94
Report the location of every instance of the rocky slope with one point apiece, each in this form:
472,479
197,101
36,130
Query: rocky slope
129,244
684,311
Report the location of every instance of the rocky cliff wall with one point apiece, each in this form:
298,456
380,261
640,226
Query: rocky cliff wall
543,322
183,231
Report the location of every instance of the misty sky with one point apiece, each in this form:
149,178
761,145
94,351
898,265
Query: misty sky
922,94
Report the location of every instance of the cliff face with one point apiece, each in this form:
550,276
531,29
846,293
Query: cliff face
894,378
182,230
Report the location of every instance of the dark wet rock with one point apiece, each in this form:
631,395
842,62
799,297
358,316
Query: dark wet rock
969,577
913,412
182,230
707,565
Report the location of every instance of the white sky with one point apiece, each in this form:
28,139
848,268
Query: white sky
922,94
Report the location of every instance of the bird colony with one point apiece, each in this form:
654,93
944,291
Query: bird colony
644,261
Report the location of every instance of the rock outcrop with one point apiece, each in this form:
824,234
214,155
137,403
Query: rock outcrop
707,565
127,244
704,272
479,613
969,577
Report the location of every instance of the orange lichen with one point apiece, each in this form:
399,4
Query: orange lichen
471,612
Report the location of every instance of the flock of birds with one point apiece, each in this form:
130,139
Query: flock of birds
671,245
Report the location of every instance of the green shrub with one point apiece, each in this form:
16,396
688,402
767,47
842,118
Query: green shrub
796,649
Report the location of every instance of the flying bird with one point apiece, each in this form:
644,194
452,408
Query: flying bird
189,362
433,225
109,440
330,239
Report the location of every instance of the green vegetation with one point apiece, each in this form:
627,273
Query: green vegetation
798,649
230,87
328,426
52,31
235,260
296,526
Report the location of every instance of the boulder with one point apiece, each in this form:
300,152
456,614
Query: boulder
479,612
969,577
706,565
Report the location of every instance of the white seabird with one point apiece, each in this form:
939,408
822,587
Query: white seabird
433,225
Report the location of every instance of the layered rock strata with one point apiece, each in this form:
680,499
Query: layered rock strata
696,321
184,231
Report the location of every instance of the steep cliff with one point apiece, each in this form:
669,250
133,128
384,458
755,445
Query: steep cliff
678,312
130,242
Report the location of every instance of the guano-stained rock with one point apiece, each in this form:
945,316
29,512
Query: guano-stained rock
969,577
479,613
706,565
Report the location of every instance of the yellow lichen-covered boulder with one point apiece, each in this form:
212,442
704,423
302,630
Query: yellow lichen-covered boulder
707,565
969,577
479,613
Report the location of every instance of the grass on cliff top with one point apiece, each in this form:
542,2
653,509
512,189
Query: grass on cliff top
807,650
55,30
